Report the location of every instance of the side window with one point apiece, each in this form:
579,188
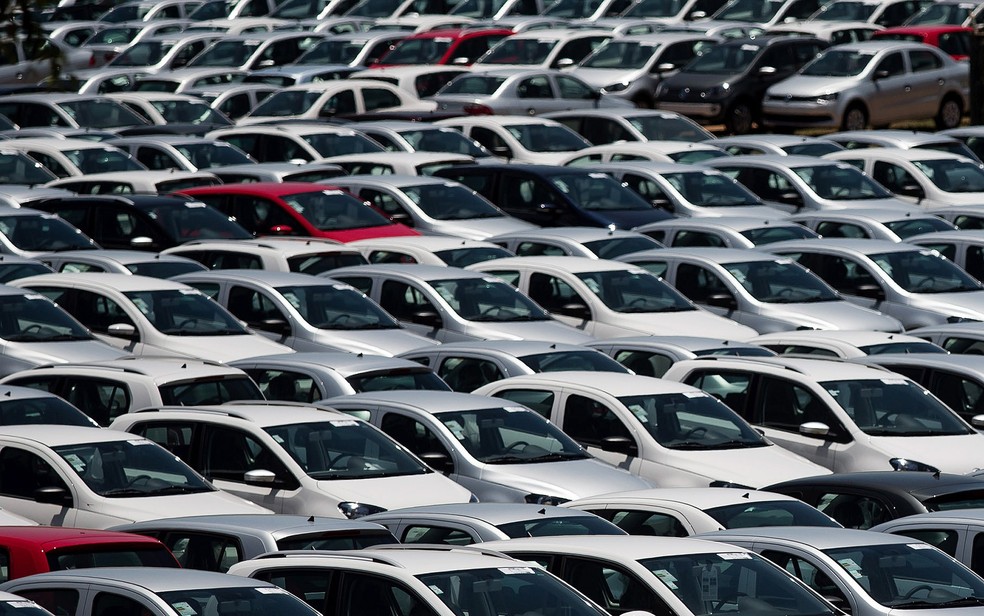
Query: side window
644,522
571,88
286,385
942,538
387,204
204,551
656,268
229,454
341,103
510,276
491,141
112,604
404,301
687,238
644,363
57,601
785,406
552,293
466,374
832,228
119,226
647,188
310,585
361,283
809,574
436,534
413,435
976,561
973,262
855,510
388,144
174,436
101,399
378,98
253,306
732,388
921,60
589,421
892,177
50,163
22,472
891,66
612,587
963,395
699,283
222,259
364,595
535,87
155,159
600,131
955,43
539,400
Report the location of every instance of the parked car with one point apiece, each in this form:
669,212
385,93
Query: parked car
278,172
847,344
442,46
725,231
428,250
958,338
904,139
611,125
135,182
649,151
955,532
73,110
893,225
783,145
295,142
399,136
953,40
28,232
653,355
344,99
520,138
74,157
182,153
588,242
136,262
397,163
965,248
559,48
278,254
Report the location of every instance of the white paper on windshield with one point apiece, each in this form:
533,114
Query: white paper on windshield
694,394
516,570
77,463
894,381
183,608
456,429
271,590
33,296
341,423
513,409
667,578
189,291
709,584
850,566
436,590
22,604
191,204
735,556
141,441
920,546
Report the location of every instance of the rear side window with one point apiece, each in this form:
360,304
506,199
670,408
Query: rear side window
92,556
210,391
335,541
57,601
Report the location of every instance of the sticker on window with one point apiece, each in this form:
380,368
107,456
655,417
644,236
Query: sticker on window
920,546
516,570
667,578
189,291
694,394
33,296
141,441
735,556
709,584
514,409
341,423
271,590
22,604
77,463
894,381
436,590
184,609
850,566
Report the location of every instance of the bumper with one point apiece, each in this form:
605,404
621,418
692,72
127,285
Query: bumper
710,113
800,114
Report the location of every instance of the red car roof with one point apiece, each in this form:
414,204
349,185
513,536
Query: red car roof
52,537
461,33
265,189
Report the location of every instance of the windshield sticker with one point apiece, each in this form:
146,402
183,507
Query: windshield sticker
919,546
184,609
271,590
593,285
749,48
514,409
851,567
332,192
33,296
77,463
342,423
141,441
456,429
516,570
709,584
22,604
695,394
292,299
189,291
894,381
193,204
436,589
735,556
667,578
639,412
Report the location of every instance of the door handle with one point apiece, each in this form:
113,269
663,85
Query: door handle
908,88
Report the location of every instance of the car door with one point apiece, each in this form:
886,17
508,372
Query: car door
814,572
418,311
611,586
604,430
264,314
892,98
24,473
119,601
927,81
431,444
535,94
532,199
563,301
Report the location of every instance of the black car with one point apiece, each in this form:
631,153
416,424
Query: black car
143,222
862,500
551,196
727,84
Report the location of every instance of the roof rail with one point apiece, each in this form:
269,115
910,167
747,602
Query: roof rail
330,554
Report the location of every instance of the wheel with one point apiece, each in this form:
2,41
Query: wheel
739,119
950,113
855,118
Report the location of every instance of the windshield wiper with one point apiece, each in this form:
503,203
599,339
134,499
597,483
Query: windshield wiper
557,456
961,602
123,492
693,445
178,490
738,444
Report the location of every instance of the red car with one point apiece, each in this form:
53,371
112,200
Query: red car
299,208
954,40
458,47
26,550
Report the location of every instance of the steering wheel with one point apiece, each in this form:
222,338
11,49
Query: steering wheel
925,283
913,591
36,328
515,445
639,301
699,430
887,420
138,479
787,292
339,318
333,463
191,321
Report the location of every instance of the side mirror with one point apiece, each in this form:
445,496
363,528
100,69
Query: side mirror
438,461
722,300
791,198
665,67
912,190
274,326
122,330
881,74
259,477
327,112
402,218
53,495
767,70
871,291
142,242
697,15
462,61
814,428
977,421
565,63
619,444
550,208
428,318
502,151
663,204
576,310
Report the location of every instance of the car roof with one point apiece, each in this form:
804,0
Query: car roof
612,383
415,270
413,559
58,435
855,337
118,282
346,364
425,400
262,414
123,257
818,537
267,189
775,160
516,348
918,483
819,370
616,547
701,498
874,214
161,369
930,360
574,234
574,265
491,513
959,516
280,523
714,255
906,137
736,223
286,246
687,343
50,537
900,154
863,246
876,46
268,277
154,579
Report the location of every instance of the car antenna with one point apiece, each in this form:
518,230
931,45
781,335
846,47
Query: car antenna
311,519
745,495
541,512
936,475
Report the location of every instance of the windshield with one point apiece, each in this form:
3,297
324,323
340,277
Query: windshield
942,13
634,291
925,271
781,282
101,160
656,8
229,54
443,140
44,410
618,246
341,144
749,10
189,112
494,591
519,51
741,583
43,233
510,435
112,36
333,51
910,576
451,201
299,9
463,257
193,220
241,601
100,114
147,53
478,9
473,84
131,468
668,128
908,227
598,192
845,11
32,317
840,183
838,63
185,312
768,235
322,262
374,8
206,155
336,306
560,361
565,526
692,420
547,138
418,51
621,55
110,555
894,406
770,513
334,210
488,299
572,9
953,175
901,347
288,103
401,379
725,59
710,189
812,149
209,390
344,449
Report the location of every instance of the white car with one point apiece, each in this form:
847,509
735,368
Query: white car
428,250
590,242
520,139
150,316
843,344
683,152
97,478
326,99
75,157
607,299
672,435
304,255
291,459
135,182
894,225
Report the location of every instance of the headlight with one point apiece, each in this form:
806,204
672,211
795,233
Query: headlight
717,91
543,499
357,510
903,464
617,87
823,99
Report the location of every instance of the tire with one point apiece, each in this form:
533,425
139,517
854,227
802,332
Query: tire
855,118
644,101
950,113
739,119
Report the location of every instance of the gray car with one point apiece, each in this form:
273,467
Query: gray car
183,153
466,366
278,172
653,355
310,376
589,242
501,451
958,533
165,52
428,250
433,206
958,338
758,289
783,145
915,285
449,304
963,247
400,136
903,139
306,313
608,126
724,231
138,262
894,225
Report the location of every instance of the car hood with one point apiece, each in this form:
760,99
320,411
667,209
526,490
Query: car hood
571,479
398,492
68,352
225,348
967,198
386,342
156,507
971,302
482,228
601,77
686,323
752,211
800,85
754,467
550,331
950,454
841,315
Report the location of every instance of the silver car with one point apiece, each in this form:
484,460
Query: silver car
609,126
427,250
183,153
501,451
306,313
871,83
137,262
589,242
963,247
783,145
400,136
903,139
878,224
724,232
653,355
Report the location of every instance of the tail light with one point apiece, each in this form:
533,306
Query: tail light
476,109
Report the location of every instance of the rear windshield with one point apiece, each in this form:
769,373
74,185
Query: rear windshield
774,513
88,556
315,264
210,391
550,527
401,378
336,541
971,499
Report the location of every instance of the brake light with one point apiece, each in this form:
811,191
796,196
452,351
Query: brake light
476,109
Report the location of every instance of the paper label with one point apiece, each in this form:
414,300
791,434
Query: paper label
735,556
920,546
709,584
141,441
183,608
342,423
667,578
894,381
851,567
516,570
